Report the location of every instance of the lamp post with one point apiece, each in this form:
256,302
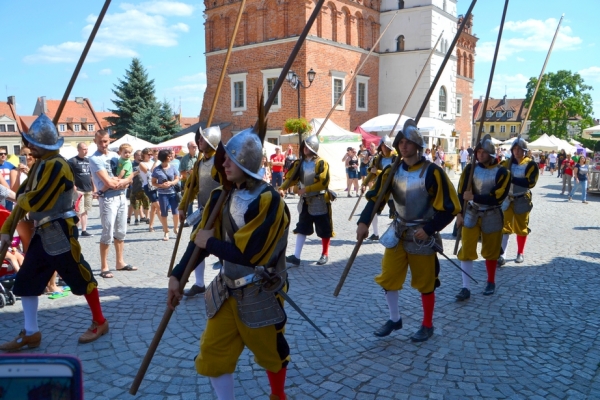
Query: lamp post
297,84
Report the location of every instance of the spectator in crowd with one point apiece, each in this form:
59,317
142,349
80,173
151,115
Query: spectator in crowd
352,171
439,153
277,163
345,161
562,156
124,166
185,169
290,157
266,170
552,158
9,173
427,155
149,162
139,205
580,173
464,156
80,165
542,163
567,173
165,178
364,156
113,205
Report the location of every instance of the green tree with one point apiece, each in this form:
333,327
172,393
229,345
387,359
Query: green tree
147,124
168,122
135,92
561,95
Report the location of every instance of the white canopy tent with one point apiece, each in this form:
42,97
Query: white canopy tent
136,143
434,131
68,151
588,132
564,145
543,143
178,144
333,142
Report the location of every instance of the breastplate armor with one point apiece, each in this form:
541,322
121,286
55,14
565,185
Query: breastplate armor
484,180
410,195
65,202
518,171
384,162
206,183
307,174
236,209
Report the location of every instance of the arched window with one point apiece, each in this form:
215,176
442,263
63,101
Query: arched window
400,43
458,62
442,105
333,23
470,66
400,4
465,65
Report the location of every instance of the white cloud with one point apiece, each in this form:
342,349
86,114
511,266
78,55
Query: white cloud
591,74
105,71
83,75
120,32
520,59
199,77
514,86
169,8
191,89
532,35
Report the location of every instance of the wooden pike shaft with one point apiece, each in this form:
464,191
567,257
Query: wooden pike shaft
18,212
541,75
483,111
388,181
362,64
195,258
209,122
225,63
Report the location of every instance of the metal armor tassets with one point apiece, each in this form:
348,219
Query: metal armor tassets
484,180
206,183
317,205
43,134
256,307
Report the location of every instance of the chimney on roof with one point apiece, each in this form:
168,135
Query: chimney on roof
504,100
12,100
481,98
44,105
79,100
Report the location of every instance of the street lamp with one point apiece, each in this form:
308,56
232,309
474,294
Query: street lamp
296,83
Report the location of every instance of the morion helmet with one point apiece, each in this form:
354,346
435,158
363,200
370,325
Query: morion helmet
246,148
312,142
212,136
487,145
519,141
387,142
411,133
43,134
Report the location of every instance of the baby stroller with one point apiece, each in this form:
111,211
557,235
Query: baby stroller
7,270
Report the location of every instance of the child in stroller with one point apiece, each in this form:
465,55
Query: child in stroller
8,271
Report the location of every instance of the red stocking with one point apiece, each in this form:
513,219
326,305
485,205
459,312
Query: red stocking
428,304
325,242
277,382
491,265
93,300
521,243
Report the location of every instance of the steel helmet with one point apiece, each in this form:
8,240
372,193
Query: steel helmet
411,133
212,136
43,134
312,142
487,145
519,141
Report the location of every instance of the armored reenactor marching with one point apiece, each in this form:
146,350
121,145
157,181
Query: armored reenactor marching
200,184
524,174
311,174
483,215
250,236
386,155
54,246
425,202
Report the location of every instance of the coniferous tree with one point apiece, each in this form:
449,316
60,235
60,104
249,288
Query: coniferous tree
168,122
148,124
135,92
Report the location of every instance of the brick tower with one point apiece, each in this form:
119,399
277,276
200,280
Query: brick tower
339,40
465,71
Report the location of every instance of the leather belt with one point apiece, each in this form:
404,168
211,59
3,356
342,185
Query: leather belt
50,218
312,194
243,281
484,210
517,196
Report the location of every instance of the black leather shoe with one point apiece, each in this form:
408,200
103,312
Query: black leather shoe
501,261
490,289
520,258
422,334
374,237
388,327
293,260
463,295
323,260
186,225
194,290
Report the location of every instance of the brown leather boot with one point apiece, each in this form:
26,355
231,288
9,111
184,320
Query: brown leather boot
22,340
94,332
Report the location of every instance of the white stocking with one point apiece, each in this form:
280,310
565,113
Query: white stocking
30,307
392,299
223,385
467,266
505,241
199,272
374,226
300,239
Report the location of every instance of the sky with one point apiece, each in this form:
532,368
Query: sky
43,41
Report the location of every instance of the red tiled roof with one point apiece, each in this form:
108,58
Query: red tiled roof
186,122
6,109
77,112
503,105
26,121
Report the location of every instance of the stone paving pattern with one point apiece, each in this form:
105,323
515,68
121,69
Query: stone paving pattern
536,338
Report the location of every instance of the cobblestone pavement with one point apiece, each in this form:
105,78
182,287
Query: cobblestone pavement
537,337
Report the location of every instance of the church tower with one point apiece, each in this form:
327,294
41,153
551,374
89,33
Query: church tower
465,71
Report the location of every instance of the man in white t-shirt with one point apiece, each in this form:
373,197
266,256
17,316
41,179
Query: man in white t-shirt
552,157
464,157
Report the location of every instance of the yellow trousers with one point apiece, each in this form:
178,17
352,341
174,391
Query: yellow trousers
394,266
491,243
515,223
226,335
